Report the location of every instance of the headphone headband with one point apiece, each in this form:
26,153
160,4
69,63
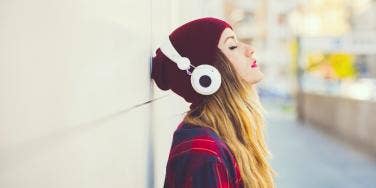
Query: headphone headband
169,50
205,79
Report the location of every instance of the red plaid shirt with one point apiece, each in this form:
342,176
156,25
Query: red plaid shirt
200,159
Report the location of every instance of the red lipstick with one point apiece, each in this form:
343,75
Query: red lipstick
254,64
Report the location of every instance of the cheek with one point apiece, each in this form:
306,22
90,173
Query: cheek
243,68
239,65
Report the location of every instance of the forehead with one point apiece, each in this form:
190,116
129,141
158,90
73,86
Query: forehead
228,32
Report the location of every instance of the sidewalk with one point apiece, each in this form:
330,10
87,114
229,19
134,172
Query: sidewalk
306,157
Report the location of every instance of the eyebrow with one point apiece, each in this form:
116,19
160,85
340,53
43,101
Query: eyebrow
230,37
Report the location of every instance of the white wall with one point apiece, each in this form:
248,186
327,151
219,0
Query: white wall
68,70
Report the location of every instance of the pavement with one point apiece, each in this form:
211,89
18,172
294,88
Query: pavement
304,156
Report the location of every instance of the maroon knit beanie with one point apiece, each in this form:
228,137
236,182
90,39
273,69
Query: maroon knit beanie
196,40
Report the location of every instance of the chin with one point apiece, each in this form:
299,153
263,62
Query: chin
256,77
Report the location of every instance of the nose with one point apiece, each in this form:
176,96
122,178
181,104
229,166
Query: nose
249,51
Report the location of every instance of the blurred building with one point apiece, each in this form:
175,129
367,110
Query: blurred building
336,55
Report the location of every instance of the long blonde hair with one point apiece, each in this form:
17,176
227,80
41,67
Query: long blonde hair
235,114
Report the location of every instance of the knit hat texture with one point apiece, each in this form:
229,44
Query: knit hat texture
196,40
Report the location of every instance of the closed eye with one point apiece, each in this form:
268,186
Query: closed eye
232,47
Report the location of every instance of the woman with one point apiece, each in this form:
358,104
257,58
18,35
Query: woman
220,142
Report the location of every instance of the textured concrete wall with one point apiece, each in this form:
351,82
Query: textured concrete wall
66,69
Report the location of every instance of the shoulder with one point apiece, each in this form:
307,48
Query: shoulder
199,154
197,145
195,140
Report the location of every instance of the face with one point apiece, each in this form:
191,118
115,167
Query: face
240,56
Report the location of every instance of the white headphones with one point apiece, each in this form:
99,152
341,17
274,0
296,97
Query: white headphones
205,79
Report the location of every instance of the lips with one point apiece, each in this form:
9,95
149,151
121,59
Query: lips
254,64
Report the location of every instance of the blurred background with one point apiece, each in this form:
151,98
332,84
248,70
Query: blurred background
74,76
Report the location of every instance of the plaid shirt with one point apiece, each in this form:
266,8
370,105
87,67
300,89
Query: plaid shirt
200,159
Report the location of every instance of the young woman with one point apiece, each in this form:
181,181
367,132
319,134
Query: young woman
220,142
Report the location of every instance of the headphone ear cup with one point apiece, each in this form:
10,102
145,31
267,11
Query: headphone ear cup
205,79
